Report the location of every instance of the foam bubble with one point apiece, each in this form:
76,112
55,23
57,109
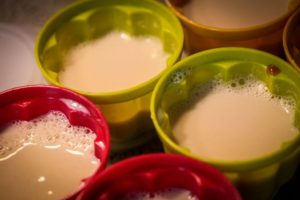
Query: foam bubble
171,193
242,85
47,130
180,75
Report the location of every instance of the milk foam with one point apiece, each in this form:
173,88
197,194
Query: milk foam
47,155
234,121
47,130
247,85
179,76
169,194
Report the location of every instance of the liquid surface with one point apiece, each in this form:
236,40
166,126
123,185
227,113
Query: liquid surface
235,13
114,62
171,194
45,158
235,123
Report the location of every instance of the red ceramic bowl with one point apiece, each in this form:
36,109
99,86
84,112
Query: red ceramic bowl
156,172
26,103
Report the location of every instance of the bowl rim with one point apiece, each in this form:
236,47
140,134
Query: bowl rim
286,38
144,163
120,95
227,166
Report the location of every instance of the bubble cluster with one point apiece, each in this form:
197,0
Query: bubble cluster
179,75
48,130
238,85
171,193
242,85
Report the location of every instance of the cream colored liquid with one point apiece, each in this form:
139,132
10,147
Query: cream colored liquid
37,172
44,158
114,62
236,123
172,194
235,13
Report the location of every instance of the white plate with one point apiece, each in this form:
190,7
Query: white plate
17,64
20,22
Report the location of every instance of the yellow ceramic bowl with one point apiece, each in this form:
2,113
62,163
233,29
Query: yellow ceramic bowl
266,36
291,40
127,111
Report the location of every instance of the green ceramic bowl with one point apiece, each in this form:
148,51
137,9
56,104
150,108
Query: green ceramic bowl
127,111
257,178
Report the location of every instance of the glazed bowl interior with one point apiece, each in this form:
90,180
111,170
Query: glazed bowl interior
88,20
154,173
177,86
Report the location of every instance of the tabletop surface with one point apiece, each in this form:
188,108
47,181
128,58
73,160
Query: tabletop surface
29,17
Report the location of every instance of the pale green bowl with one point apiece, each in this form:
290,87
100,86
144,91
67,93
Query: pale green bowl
257,178
127,111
